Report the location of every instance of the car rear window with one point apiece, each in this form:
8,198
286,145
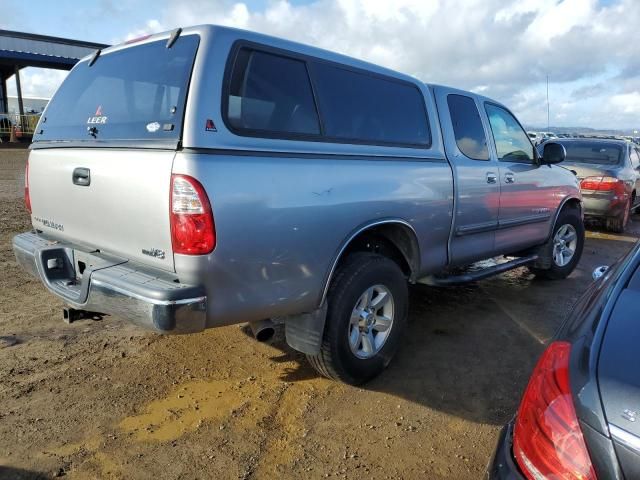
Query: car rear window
137,93
599,153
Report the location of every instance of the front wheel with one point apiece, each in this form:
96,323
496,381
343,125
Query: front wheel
562,252
367,312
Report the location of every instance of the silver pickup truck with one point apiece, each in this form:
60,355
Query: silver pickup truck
209,176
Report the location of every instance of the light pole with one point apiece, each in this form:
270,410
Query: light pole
548,116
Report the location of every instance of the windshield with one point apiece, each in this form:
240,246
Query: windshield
599,153
137,93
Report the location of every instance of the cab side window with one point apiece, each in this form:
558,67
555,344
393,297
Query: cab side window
512,142
467,127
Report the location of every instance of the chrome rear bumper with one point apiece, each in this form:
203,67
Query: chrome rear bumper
114,286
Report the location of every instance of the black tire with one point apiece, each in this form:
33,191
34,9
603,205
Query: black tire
546,267
359,272
619,223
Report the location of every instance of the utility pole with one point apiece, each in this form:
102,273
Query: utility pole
548,116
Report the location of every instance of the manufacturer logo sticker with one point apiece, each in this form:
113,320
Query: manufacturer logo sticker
98,117
153,127
210,126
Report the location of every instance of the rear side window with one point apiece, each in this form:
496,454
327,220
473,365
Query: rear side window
467,127
271,93
363,108
137,93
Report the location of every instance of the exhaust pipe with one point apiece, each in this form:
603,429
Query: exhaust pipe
263,330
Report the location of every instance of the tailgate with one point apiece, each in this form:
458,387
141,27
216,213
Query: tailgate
124,209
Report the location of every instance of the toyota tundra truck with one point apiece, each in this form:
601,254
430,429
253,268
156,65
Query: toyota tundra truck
209,176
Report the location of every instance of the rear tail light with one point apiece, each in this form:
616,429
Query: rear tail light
603,184
27,196
192,228
547,441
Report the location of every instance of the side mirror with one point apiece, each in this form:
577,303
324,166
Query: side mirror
553,153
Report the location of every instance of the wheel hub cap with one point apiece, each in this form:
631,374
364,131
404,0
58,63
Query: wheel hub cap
371,321
565,242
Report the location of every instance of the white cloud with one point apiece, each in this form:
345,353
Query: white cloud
500,48
150,26
627,103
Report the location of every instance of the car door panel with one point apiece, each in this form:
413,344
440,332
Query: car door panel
477,185
527,199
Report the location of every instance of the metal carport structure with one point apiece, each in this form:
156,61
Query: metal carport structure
19,50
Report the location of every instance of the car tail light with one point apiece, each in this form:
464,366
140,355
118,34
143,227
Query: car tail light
547,441
603,184
27,196
192,228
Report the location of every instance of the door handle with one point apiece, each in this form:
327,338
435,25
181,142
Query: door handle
509,178
81,177
492,177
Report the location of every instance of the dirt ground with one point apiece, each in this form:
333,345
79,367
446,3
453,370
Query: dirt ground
104,399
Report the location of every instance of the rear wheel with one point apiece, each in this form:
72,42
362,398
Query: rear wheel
619,223
367,312
563,250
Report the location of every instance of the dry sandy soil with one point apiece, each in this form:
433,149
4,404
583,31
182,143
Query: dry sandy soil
103,399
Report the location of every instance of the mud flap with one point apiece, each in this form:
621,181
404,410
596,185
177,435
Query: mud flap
304,332
545,256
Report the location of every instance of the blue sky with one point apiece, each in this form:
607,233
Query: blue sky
501,48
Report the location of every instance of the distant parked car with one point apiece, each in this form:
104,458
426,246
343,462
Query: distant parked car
609,174
546,136
579,416
534,137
